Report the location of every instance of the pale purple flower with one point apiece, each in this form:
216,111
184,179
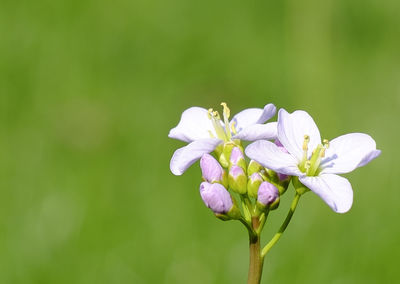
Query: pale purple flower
267,193
216,197
204,131
281,177
315,163
211,170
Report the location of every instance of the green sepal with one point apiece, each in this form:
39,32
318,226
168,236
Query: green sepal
232,214
254,167
299,187
252,187
238,185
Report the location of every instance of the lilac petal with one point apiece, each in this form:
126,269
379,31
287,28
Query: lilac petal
334,190
252,116
236,156
194,125
184,157
348,152
257,132
270,156
291,130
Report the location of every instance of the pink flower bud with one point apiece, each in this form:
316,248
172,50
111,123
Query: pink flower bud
236,156
211,169
267,193
216,197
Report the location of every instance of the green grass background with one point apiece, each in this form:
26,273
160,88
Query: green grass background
89,90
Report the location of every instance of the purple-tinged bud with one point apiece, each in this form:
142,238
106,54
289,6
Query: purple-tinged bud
253,184
236,156
211,169
237,179
267,193
254,167
216,197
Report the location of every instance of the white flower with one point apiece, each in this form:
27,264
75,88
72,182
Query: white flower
315,164
204,131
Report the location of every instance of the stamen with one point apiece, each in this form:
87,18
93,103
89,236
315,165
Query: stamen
305,143
326,143
210,113
233,127
227,113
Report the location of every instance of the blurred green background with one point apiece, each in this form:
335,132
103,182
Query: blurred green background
89,90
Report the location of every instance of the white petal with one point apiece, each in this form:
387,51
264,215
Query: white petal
270,156
252,116
348,152
194,125
258,131
291,130
335,190
184,157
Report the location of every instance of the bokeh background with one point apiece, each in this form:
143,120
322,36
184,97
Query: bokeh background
89,90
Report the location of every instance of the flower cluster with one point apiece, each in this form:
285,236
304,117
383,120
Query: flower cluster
289,149
236,187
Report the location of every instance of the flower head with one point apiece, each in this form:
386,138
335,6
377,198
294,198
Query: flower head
315,163
204,130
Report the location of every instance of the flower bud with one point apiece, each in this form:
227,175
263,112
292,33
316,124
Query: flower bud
216,197
268,195
254,167
211,169
253,184
237,180
237,158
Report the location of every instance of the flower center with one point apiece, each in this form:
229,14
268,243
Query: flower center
311,166
222,128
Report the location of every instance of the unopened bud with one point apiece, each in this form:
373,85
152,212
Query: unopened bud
237,158
211,169
216,197
254,167
253,184
268,195
237,180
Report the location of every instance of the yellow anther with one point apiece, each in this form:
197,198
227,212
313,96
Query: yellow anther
216,115
210,113
322,153
227,111
326,143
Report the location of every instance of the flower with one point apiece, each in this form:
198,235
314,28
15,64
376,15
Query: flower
204,131
216,197
315,164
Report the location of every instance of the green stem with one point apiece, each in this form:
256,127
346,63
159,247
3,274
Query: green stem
256,259
277,236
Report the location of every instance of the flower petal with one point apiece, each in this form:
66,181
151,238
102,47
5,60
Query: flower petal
194,125
252,116
348,152
335,190
258,131
184,157
291,130
270,156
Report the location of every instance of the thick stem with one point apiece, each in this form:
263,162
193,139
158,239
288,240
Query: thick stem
256,260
